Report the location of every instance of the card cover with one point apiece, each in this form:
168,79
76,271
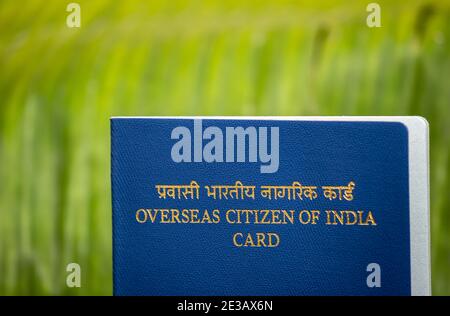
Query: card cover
266,206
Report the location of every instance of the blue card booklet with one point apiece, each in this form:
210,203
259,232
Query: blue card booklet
270,206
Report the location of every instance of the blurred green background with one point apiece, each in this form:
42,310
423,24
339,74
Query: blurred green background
60,85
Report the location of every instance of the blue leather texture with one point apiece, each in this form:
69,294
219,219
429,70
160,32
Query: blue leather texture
201,259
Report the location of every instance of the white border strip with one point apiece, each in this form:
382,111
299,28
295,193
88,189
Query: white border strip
419,203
